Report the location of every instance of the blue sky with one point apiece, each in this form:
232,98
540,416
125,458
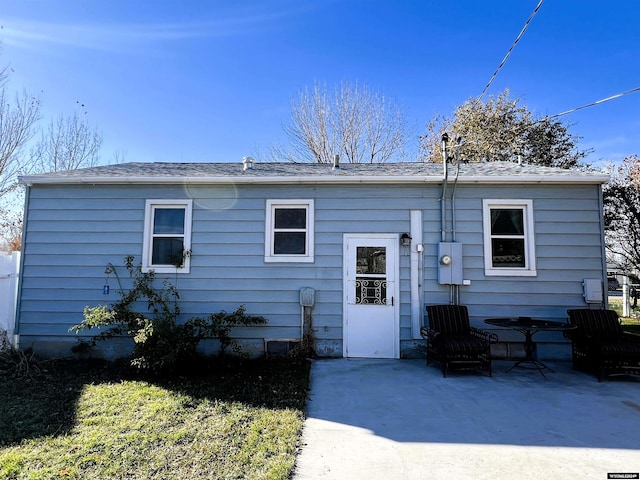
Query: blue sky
209,81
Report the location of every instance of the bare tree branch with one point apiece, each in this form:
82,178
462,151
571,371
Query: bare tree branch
67,144
622,216
353,122
10,230
18,116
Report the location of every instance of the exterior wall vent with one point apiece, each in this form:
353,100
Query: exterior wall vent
280,348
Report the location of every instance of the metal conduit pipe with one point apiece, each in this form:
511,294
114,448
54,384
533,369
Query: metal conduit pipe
443,204
445,140
455,289
453,194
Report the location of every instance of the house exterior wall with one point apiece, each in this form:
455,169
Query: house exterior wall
73,231
569,248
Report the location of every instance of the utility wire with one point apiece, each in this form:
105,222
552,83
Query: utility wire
596,102
504,60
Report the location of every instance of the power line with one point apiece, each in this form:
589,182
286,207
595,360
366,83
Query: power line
618,95
504,60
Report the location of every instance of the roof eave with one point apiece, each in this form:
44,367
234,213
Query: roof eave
539,179
290,180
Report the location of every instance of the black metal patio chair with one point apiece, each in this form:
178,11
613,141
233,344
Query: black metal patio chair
453,343
599,344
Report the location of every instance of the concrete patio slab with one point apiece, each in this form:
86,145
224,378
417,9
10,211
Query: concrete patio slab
398,419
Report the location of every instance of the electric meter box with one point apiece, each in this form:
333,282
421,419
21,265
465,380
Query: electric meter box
450,263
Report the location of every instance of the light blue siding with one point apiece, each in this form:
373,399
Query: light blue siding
568,238
73,231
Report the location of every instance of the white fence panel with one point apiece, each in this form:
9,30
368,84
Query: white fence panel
9,271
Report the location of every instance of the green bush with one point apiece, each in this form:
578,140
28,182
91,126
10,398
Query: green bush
160,343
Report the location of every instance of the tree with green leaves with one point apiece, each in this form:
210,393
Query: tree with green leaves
622,215
502,129
352,121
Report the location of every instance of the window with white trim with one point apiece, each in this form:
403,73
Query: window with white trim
289,233
509,243
167,236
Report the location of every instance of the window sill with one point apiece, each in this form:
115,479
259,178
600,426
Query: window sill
161,269
510,273
288,259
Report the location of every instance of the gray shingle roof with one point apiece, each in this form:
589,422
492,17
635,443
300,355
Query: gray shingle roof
502,172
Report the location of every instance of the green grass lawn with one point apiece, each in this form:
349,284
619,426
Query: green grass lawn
230,420
630,324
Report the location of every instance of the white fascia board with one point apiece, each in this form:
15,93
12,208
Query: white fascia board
483,179
540,179
43,179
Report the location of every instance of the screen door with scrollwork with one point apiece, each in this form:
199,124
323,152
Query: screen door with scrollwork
371,326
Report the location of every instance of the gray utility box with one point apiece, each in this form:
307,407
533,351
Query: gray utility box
307,296
450,263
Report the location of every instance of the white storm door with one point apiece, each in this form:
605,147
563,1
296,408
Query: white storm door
371,313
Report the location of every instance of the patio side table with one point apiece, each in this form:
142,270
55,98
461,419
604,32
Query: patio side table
529,327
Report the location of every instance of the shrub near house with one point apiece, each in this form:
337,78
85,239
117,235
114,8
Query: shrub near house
160,342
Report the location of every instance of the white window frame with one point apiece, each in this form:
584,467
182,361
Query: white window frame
269,241
147,254
529,270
